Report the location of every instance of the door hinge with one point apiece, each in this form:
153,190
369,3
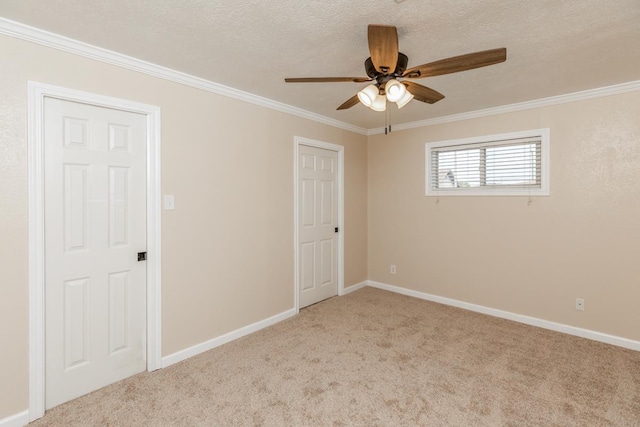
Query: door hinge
336,229
142,256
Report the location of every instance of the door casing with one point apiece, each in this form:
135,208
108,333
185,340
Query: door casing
297,141
37,92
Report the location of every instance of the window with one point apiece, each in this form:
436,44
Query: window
515,164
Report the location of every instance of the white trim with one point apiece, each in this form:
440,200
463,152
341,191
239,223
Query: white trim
617,89
543,134
527,320
36,252
65,44
181,355
36,94
297,141
355,287
17,420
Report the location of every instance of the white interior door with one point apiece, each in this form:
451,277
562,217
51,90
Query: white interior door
95,225
318,220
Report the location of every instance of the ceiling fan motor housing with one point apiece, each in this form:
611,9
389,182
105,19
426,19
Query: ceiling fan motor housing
374,74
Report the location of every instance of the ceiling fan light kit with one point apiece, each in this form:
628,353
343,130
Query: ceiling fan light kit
380,104
368,95
405,99
386,65
395,90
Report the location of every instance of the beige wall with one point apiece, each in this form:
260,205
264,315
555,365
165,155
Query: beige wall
500,252
227,248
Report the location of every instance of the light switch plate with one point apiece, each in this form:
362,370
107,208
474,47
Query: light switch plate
169,202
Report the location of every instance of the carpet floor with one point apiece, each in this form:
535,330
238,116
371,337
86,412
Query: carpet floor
375,358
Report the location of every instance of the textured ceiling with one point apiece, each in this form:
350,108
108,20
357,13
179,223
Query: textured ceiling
553,47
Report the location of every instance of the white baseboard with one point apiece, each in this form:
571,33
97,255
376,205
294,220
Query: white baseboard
181,355
533,321
18,420
223,339
355,287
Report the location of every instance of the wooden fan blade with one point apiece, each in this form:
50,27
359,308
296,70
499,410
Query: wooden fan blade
383,46
327,79
458,63
349,103
423,93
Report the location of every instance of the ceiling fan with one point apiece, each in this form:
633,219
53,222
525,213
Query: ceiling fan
386,65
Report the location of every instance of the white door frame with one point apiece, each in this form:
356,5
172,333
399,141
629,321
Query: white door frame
297,142
36,95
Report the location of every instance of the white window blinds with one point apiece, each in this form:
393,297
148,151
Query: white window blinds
510,164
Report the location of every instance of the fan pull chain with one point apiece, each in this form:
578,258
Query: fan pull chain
387,126
386,120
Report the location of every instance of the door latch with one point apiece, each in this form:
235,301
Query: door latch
142,256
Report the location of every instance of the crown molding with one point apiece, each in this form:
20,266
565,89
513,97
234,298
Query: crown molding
48,39
526,105
65,44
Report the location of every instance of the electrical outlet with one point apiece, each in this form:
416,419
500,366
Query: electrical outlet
580,304
392,270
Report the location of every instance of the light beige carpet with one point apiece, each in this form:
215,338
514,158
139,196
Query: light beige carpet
374,358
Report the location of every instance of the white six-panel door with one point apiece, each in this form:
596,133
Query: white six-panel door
95,225
318,218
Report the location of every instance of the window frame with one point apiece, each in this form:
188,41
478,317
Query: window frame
545,147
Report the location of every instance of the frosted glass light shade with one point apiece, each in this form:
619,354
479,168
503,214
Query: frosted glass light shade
405,99
395,90
368,95
380,103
